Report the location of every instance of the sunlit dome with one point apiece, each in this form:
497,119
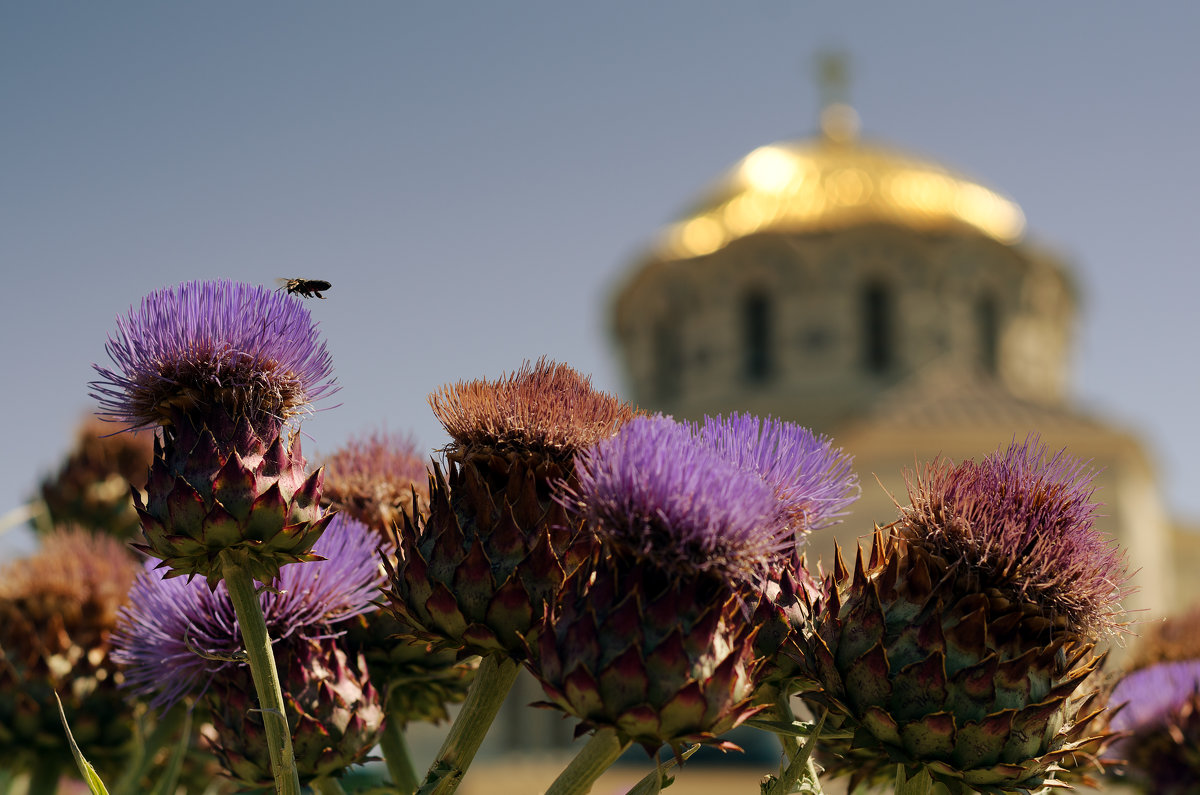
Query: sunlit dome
836,181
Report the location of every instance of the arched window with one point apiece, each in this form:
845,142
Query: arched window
877,326
758,362
987,318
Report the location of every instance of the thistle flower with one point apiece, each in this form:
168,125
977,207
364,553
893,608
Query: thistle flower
57,610
961,646
814,479
220,367
1159,709
1161,721
201,347
496,545
180,638
176,635
815,483
379,480
91,489
653,642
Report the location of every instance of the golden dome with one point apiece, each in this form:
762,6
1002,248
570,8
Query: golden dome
833,182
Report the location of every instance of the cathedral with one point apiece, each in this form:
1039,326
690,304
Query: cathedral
889,303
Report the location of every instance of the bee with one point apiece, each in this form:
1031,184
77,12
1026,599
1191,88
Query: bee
305,287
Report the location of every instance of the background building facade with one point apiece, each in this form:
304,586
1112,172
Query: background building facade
885,301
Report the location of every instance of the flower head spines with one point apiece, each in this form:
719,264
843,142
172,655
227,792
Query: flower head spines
656,492
201,345
1023,523
547,410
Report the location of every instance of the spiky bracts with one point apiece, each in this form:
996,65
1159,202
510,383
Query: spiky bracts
663,661
220,489
953,649
496,546
417,681
57,610
652,640
332,708
381,480
221,367
966,684
378,479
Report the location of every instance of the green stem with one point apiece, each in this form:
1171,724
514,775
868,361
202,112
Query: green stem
266,677
783,713
592,760
396,756
493,680
44,777
800,768
327,786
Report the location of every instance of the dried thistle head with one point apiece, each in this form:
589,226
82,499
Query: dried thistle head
57,610
544,411
78,578
377,479
1021,522
91,488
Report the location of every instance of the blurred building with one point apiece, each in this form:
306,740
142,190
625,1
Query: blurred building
889,302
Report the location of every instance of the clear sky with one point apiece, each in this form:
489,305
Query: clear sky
474,177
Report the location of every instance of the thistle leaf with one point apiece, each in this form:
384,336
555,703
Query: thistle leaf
660,778
85,768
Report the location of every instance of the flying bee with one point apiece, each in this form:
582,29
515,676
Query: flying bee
305,287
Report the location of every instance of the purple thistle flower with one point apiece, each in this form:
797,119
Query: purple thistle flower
1023,521
815,480
1153,695
656,492
177,633
201,345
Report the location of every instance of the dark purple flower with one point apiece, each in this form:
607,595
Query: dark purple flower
656,492
177,633
1022,520
213,344
815,480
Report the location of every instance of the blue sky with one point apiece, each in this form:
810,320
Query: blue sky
475,177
